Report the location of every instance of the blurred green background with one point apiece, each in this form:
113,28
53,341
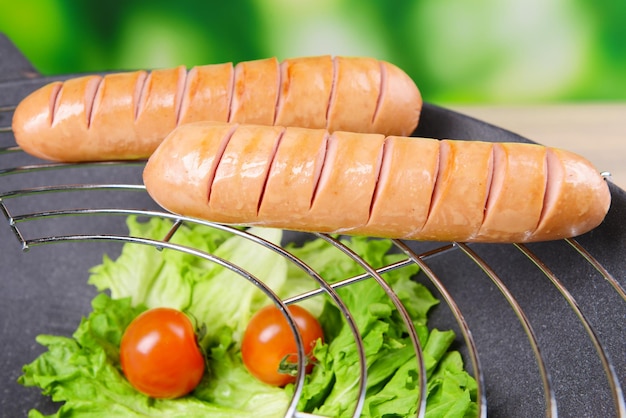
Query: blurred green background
458,51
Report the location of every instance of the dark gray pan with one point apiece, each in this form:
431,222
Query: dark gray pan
578,319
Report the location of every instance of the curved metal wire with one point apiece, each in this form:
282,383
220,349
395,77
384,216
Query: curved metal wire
412,257
161,244
58,166
598,266
328,288
9,150
381,270
421,399
71,188
460,319
6,109
300,374
550,399
614,384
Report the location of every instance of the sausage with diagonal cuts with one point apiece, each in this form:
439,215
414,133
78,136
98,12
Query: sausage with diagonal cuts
368,184
125,116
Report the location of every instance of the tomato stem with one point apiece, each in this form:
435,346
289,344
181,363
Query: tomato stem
289,364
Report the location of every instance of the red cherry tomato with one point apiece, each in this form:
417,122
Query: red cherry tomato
159,354
268,340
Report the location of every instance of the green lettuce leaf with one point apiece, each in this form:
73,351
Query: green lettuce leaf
84,373
231,386
152,277
79,371
392,371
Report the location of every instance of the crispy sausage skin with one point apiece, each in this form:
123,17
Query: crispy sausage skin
125,116
368,184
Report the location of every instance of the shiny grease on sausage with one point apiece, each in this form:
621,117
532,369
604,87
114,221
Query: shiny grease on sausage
126,115
369,184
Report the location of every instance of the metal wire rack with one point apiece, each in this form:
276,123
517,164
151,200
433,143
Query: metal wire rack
541,326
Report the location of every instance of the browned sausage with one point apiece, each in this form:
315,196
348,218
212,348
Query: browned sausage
369,184
126,115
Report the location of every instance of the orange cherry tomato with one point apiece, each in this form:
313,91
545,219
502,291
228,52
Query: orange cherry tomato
159,354
268,341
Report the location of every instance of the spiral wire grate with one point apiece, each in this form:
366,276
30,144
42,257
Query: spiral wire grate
433,259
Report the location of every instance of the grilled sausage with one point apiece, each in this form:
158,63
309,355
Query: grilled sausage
368,184
126,115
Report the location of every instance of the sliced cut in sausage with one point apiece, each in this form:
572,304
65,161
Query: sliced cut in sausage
159,102
399,101
255,92
516,194
305,88
395,209
367,184
357,86
241,174
461,190
574,200
207,94
186,165
33,122
346,185
293,177
61,110
114,112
